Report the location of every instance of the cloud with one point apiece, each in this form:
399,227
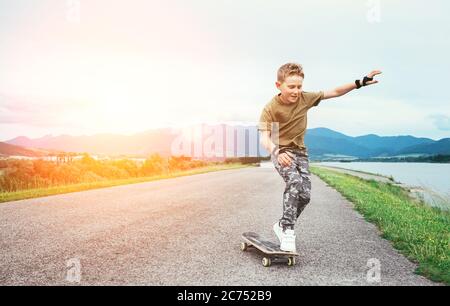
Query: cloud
442,122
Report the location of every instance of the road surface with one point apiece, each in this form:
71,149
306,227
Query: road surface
186,231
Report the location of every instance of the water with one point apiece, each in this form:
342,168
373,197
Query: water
434,178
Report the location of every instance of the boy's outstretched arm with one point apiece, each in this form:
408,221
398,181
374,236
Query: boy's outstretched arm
342,90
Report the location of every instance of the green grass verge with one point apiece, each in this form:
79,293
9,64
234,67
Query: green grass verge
389,177
420,232
41,192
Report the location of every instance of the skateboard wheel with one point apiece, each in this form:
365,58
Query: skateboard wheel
291,261
266,262
244,246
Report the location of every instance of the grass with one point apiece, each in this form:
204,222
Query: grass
389,177
41,192
420,232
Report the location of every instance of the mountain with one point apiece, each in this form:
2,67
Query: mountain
439,147
324,132
12,150
109,144
321,145
206,140
389,145
323,141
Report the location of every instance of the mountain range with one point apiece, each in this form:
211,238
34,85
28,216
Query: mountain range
7,150
322,143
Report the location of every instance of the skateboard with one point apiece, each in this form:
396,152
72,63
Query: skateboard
272,250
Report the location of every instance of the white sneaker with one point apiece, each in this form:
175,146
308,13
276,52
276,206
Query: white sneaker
288,241
286,238
278,231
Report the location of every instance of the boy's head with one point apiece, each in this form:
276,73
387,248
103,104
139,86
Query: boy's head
289,81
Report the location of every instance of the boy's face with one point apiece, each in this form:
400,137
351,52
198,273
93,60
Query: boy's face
290,88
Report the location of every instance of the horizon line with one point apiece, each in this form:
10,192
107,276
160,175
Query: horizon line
192,125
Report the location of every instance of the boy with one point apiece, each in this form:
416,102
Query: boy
287,111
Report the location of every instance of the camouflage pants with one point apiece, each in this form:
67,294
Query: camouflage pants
297,193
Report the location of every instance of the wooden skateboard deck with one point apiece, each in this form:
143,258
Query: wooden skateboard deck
269,248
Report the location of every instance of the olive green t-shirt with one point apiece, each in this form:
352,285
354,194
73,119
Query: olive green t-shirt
291,119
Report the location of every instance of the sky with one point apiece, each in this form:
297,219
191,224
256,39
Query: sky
83,67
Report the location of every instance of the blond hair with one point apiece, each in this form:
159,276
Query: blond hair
289,69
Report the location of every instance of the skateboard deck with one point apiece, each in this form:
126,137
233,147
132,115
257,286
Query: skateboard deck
272,250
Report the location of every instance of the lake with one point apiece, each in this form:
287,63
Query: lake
433,177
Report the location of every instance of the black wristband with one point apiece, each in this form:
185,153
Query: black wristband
358,84
366,79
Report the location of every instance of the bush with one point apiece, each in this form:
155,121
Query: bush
179,163
197,163
44,168
66,174
244,160
111,172
26,174
129,166
154,165
90,177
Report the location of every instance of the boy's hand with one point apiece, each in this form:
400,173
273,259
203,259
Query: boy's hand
371,75
285,159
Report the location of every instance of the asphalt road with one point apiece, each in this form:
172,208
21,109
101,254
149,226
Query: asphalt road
187,231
